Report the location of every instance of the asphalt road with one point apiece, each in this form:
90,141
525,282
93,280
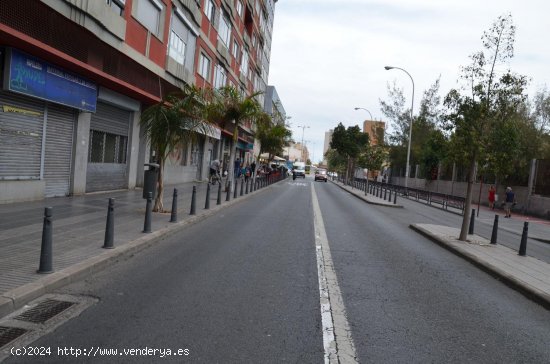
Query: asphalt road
239,287
409,300
242,287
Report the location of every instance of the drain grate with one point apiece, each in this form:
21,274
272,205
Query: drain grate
8,334
44,311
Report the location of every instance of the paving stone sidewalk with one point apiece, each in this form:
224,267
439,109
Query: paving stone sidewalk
78,235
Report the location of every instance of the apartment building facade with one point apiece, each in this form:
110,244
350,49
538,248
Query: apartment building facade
76,75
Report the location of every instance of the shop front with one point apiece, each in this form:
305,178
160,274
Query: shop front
39,105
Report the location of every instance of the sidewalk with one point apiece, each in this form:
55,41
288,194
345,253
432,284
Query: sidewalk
369,198
539,229
78,235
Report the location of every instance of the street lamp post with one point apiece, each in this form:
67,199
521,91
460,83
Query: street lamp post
303,129
362,108
410,125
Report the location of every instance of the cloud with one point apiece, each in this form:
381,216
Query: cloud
328,55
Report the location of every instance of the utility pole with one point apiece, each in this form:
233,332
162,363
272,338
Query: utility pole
303,129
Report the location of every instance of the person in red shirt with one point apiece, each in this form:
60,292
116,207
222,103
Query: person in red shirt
492,192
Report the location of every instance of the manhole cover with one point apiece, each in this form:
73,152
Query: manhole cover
44,311
8,334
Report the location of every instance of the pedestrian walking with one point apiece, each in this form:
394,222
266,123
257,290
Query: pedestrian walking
509,202
253,168
491,197
247,172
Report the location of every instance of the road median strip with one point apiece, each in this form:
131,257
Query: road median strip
528,275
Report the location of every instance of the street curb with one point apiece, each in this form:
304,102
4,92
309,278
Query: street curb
511,281
359,196
18,297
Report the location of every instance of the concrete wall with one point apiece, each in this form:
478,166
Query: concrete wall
80,153
17,191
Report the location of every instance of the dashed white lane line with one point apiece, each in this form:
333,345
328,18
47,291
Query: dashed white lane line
337,340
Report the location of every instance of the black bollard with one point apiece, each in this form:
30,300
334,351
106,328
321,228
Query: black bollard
235,190
523,245
46,254
219,201
228,194
389,197
246,189
193,209
148,212
108,243
385,193
495,230
242,187
395,198
472,220
207,202
174,212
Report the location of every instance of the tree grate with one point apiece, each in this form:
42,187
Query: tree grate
44,311
8,334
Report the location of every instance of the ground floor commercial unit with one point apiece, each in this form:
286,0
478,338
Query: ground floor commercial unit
62,134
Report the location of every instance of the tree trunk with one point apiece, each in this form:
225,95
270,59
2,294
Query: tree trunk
159,206
468,203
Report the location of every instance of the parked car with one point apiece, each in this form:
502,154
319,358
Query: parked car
321,175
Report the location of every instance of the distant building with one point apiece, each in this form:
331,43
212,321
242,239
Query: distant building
375,129
326,145
296,152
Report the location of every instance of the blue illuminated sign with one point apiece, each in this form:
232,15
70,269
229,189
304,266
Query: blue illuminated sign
34,77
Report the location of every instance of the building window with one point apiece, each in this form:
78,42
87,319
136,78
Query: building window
148,14
220,78
107,147
244,64
116,5
204,67
225,30
210,10
236,50
240,8
177,48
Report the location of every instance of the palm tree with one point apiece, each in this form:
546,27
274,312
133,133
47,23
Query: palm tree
171,123
227,105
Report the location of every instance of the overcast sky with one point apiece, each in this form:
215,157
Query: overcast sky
328,56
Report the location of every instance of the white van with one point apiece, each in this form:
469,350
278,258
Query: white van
299,169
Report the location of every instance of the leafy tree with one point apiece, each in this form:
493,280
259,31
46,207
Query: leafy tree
272,138
227,106
336,161
172,122
487,106
424,125
433,153
350,143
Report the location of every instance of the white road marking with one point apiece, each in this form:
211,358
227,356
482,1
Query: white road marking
337,340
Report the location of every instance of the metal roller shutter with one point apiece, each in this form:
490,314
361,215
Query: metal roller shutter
110,119
59,147
21,131
108,176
